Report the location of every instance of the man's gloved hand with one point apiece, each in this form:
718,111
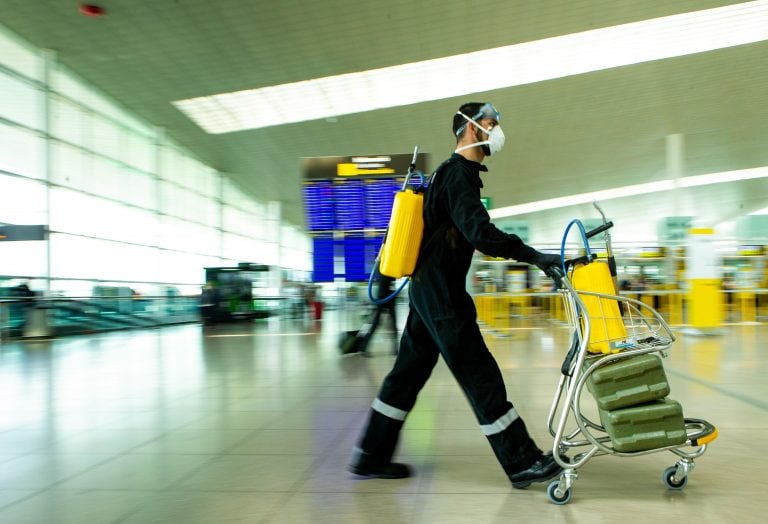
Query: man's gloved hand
550,265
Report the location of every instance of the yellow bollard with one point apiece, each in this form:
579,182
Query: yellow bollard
748,313
676,308
705,303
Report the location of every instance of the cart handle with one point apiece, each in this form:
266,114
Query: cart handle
586,259
599,229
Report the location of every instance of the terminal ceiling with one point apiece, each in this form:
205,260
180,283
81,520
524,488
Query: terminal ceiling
570,135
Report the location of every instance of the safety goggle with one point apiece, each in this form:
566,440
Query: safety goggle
486,111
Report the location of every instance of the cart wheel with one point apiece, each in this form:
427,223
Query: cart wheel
553,498
668,478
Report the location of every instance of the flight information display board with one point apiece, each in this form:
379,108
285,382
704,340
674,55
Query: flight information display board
323,258
348,256
348,203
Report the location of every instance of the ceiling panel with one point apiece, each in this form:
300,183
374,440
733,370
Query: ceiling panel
564,136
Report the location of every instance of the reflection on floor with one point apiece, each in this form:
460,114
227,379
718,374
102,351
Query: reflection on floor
255,423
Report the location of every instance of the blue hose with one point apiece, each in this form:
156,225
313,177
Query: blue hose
381,301
583,237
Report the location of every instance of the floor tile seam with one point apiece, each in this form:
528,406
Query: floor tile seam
295,487
252,433
185,426
167,489
320,459
56,483
22,455
23,499
111,458
419,492
128,514
125,454
194,471
213,457
725,391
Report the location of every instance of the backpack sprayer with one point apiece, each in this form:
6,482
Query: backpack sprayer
402,240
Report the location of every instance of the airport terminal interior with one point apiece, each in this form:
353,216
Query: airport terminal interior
193,197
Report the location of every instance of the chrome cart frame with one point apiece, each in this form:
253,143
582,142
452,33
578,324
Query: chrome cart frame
572,429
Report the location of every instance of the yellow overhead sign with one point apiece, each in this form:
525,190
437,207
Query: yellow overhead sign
355,170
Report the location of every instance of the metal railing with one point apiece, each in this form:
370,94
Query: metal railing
502,311
57,316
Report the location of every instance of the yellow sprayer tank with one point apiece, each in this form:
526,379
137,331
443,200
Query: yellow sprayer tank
406,227
608,332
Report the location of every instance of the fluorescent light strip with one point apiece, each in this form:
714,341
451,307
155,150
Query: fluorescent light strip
626,191
366,159
519,64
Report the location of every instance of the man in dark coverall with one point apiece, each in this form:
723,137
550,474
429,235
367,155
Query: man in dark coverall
442,317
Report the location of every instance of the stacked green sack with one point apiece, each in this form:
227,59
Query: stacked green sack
631,398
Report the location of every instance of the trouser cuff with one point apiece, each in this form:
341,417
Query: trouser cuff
380,438
514,448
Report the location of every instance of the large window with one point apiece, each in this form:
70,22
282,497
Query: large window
21,151
122,203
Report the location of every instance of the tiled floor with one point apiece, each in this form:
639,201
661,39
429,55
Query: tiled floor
255,423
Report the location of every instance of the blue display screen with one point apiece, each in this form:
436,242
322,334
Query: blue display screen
319,205
354,258
348,218
350,204
372,248
322,258
379,196
359,256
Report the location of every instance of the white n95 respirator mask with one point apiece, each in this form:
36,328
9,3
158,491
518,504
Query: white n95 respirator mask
496,138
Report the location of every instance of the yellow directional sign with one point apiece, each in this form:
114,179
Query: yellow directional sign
355,170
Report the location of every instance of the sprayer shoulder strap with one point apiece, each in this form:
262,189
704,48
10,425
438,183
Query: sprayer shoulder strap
432,176
427,244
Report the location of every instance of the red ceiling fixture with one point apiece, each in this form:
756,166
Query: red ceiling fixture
92,10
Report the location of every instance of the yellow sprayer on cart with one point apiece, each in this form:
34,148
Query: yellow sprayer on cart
616,355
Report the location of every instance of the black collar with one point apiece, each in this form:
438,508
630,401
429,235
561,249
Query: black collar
470,163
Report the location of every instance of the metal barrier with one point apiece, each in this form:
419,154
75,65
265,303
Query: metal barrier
56,316
497,311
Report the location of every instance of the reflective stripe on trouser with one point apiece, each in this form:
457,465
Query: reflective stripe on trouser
389,411
505,435
500,424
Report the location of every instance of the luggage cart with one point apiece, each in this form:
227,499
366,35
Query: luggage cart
610,330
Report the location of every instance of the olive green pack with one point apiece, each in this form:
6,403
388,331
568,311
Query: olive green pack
652,425
628,382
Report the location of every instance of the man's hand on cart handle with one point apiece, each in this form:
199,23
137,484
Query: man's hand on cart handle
551,266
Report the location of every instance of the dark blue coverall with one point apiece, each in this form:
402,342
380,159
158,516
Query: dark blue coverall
443,321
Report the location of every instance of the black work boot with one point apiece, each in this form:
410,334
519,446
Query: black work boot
543,469
365,465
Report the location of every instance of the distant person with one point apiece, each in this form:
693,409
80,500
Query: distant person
385,289
208,303
26,301
23,290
